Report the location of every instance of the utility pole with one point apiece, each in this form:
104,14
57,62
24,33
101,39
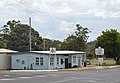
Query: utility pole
30,34
44,44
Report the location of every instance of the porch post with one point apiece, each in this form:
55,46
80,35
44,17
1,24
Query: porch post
55,61
49,61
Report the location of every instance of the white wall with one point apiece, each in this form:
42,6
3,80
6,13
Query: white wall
17,64
77,58
5,61
55,62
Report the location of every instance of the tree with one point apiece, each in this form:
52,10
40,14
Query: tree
78,40
91,49
110,41
70,43
4,31
18,39
48,43
82,32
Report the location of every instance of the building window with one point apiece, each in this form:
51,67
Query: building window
52,61
18,60
57,60
39,60
74,59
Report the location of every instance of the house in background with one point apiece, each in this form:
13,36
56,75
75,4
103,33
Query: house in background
45,60
5,58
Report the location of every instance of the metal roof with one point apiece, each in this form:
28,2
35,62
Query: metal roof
7,51
60,52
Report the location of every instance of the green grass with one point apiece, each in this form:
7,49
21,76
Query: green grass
107,62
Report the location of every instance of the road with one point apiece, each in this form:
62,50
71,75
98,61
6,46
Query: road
89,76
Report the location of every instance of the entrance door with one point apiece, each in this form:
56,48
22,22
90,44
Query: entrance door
66,62
31,66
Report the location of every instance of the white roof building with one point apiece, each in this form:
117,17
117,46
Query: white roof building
60,52
5,58
47,60
7,51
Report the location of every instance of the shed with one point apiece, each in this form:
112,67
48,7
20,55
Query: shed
45,60
5,58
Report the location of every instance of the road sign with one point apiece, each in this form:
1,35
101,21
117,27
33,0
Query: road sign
52,50
99,51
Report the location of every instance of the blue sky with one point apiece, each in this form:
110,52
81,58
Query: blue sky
55,19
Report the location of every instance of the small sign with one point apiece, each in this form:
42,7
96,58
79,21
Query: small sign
100,61
99,51
52,50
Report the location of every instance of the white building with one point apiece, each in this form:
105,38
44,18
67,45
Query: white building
46,60
5,58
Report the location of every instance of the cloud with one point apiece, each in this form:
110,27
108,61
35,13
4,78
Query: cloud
1,4
62,15
16,19
67,26
64,8
116,14
99,14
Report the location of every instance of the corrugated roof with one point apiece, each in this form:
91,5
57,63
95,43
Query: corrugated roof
60,52
7,51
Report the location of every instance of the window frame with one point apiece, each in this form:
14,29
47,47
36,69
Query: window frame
58,61
41,61
52,61
74,59
37,61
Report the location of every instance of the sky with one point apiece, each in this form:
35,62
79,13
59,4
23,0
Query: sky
56,19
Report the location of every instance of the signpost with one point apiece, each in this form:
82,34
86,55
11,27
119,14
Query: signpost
53,52
99,52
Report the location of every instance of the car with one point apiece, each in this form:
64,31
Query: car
88,62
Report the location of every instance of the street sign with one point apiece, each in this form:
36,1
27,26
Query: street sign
99,51
52,50
100,61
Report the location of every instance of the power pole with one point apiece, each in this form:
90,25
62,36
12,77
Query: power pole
30,34
44,45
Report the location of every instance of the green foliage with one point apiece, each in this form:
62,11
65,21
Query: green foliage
70,43
110,41
77,41
2,43
18,37
91,50
47,44
82,32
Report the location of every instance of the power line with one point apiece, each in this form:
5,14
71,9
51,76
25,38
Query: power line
29,11
23,9
42,11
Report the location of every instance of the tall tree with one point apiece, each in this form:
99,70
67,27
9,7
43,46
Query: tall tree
82,33
110,41
78,40
4,32
18,39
